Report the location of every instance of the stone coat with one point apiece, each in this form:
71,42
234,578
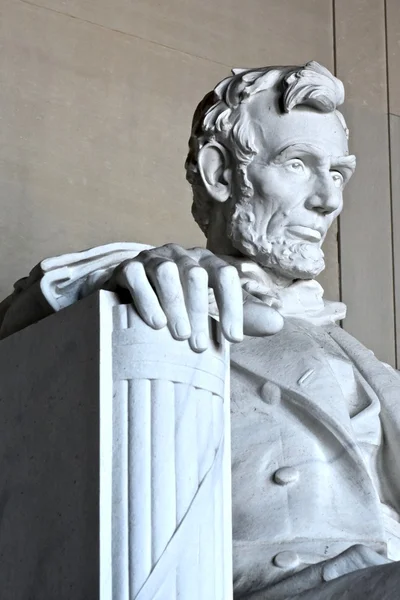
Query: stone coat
301,489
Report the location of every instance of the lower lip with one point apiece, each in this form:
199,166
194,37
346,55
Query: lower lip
305,233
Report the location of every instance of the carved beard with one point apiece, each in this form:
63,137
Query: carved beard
290,258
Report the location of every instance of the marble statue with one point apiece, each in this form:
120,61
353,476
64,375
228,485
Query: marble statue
315,418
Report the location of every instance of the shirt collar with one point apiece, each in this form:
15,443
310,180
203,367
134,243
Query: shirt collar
302,299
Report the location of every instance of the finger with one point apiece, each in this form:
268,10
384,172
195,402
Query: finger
354,558
164,275
195,285
224,279
132,276
259,319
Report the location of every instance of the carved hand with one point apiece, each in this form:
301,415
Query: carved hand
169,286
354,558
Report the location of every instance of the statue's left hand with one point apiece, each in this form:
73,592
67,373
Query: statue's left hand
169,287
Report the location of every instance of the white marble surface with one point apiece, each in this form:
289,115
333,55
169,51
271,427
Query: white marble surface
315,419
171,465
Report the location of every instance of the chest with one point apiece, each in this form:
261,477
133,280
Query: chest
299,394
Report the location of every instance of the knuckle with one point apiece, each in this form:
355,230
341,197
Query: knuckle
184,262
199,253
228,272
145,255
165,270
130,268
199,317
172,249
197,276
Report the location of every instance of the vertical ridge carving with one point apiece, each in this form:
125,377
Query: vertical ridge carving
206,446
169,522
140,482
186,447
120,475
186,467
218,517
162,465
206,449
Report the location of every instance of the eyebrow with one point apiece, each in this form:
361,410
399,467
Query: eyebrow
346,162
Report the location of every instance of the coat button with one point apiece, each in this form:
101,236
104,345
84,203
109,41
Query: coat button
286,475
286,560
270,393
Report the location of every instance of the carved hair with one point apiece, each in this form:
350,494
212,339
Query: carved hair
219,118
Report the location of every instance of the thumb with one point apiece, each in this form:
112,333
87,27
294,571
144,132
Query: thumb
259,319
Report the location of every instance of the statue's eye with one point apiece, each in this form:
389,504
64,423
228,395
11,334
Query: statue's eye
296,165
337,179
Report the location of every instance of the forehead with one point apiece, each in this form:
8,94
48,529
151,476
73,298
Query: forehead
276,130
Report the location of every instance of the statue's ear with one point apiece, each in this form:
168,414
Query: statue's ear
215,169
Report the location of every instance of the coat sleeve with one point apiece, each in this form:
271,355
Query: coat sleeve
58,282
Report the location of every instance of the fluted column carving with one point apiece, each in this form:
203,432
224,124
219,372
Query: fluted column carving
171,465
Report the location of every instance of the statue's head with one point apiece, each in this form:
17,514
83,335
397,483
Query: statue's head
268,160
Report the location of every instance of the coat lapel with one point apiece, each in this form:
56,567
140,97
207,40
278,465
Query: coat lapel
386,384
293,360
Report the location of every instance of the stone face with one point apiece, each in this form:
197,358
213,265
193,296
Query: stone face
86,88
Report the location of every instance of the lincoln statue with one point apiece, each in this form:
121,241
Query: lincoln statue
315,415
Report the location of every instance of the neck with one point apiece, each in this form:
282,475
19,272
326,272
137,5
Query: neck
278,280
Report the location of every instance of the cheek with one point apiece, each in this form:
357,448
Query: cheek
273,188
269,213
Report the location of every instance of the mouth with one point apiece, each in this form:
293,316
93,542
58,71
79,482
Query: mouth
305,233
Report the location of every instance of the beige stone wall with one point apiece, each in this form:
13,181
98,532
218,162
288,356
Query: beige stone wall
96,99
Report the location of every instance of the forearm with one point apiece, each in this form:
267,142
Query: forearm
60,281
23,308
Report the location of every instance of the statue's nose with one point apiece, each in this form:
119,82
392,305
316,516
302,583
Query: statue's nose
324,198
